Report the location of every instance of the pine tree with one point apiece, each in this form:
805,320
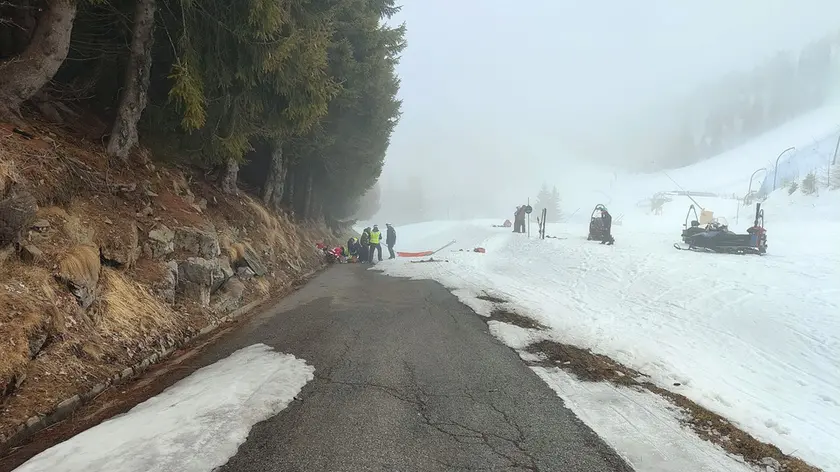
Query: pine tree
809,184
793,187
834,177
550,200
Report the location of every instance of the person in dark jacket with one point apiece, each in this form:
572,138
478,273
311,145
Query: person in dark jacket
390,240
606,220
519,219
353,249
364,245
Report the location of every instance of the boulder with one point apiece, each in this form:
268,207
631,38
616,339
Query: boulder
119,247
225,270
197,242
254,262
198,278
37,342
161,242
772,465
245,273
41,226
229,296
17,212
30,253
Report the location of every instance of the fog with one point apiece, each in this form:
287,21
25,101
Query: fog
500,97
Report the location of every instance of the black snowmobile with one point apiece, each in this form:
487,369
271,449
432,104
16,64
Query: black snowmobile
716,236
597,231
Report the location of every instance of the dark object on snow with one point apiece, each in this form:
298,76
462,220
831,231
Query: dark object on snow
716,236
519,219
431,259
599,227
390,240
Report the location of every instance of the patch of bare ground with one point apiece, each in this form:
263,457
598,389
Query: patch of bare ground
491,299
590,367
515,319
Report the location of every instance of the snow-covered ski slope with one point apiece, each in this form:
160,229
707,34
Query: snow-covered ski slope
814,135
755,339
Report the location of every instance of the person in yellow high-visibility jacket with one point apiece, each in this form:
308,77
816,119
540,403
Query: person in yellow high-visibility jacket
375,239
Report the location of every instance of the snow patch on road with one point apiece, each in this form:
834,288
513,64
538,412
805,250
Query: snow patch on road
195,425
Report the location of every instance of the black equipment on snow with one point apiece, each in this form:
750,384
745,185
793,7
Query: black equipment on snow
597,231
716,236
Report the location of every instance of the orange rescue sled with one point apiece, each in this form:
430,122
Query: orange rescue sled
424,253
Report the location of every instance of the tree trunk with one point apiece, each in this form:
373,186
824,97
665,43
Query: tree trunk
275,182
307,198
289,193
22,76
228,181
317,206
133,101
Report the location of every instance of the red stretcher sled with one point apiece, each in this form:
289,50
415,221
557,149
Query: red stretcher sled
424,253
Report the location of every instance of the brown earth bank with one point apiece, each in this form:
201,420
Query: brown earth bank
105,264
587,366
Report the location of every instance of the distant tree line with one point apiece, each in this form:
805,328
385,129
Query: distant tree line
721,114
741,106
300,94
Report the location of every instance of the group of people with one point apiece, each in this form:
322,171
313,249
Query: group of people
363,248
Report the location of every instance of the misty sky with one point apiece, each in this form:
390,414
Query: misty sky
486,83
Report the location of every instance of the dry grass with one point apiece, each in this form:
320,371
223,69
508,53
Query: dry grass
27,306
80,266
263,286
276,233
8,173
129,312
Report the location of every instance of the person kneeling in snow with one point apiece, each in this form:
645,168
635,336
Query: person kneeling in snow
606,221
353,247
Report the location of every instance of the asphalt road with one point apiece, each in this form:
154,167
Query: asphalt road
407,379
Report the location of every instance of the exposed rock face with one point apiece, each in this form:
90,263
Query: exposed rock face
197,242
229,296
169,284
161,243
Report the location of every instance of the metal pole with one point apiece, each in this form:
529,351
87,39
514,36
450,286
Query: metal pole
834,159
776,169
749,189
529,219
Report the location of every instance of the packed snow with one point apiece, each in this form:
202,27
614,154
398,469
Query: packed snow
196,425
753,338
